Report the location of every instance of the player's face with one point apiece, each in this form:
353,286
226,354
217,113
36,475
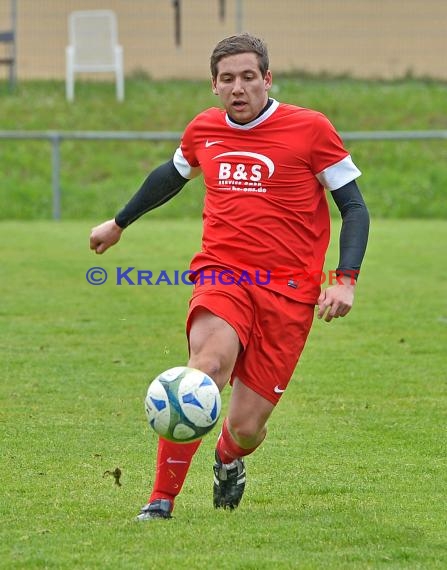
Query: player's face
241,87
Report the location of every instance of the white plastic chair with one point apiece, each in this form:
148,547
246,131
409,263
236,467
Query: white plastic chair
93,47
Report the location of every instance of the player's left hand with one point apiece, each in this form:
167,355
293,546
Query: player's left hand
336,301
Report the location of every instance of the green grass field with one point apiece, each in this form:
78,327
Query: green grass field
352,474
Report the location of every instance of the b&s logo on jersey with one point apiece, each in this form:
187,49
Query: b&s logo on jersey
242,171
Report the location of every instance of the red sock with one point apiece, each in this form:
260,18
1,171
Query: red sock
227,449
173,461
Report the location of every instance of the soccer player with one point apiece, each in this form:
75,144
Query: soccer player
266,166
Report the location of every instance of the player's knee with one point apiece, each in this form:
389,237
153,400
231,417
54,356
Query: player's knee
247,433
211,365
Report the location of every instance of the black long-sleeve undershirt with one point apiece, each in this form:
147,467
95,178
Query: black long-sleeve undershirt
354,229
161,185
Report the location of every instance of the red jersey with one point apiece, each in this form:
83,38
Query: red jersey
265,204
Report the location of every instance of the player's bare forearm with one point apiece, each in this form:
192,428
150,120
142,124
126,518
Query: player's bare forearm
336,301
104,236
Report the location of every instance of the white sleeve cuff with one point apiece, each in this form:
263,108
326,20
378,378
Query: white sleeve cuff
339,174
183,166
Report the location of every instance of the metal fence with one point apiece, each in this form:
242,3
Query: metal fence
55,138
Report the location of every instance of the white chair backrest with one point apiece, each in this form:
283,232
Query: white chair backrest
94,36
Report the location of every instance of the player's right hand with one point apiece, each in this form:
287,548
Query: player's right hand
104,236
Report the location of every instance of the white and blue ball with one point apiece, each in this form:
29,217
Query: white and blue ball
183,404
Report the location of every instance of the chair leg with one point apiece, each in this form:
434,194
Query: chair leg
119,86
69,76
119,72
69,87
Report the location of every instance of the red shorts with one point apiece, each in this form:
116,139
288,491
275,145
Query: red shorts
272,330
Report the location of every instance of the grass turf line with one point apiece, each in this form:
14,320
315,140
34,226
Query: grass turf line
352,474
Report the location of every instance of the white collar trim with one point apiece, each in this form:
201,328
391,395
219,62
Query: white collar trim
268,113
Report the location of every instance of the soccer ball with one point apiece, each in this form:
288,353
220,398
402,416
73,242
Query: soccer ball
182,404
